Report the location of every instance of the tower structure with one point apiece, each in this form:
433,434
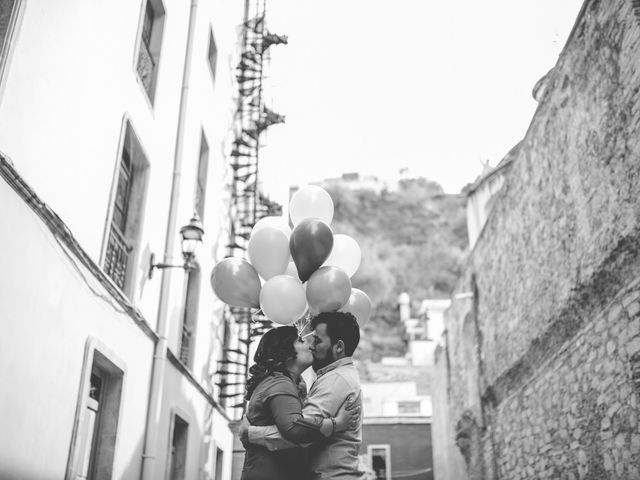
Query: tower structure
248,203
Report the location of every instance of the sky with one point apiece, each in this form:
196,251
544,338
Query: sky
372,86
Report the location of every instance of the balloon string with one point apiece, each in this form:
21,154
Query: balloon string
302,326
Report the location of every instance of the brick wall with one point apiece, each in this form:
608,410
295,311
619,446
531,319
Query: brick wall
542,362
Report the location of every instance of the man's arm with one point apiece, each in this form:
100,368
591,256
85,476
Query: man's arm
327,394
269,437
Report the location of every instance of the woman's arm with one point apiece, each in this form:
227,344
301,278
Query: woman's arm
287,413
293,426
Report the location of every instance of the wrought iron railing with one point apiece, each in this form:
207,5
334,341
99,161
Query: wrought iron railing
146,66
117,257
185,344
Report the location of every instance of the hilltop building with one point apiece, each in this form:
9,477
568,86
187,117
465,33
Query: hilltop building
112,126
538,373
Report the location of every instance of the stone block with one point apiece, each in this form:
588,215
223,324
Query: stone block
633,309
614,313
633,347
631,297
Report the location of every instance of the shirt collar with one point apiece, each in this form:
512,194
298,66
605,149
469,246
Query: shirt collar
332,366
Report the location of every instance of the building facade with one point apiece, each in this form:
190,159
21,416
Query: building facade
396,431
113,123
539,370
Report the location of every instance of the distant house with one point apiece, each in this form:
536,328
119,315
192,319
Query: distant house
397,401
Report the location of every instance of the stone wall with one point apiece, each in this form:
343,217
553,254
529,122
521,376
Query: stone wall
549,342
578,416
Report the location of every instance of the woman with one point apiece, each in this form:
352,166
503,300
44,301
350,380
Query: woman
274,390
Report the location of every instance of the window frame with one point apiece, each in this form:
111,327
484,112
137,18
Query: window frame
7,49
177,412
387,449
153,45
139,185
212,55
97,356
202,176
189,320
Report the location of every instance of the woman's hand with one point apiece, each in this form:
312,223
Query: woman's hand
348,416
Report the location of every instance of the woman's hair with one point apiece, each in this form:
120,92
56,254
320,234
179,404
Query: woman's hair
275,348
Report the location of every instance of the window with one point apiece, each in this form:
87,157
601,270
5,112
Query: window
189,321
409,408
8,18
212,55
94,438
149,46
219,464
125,225
201,181
380,461
178,448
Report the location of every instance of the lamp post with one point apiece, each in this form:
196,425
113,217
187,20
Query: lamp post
191,239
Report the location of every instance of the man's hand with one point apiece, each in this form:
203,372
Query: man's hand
243,430
348,416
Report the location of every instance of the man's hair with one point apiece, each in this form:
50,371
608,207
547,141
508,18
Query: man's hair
340,326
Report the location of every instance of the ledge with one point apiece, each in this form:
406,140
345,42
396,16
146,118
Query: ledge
60,230
181,367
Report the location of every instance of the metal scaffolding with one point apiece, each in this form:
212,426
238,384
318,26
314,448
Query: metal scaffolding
247,203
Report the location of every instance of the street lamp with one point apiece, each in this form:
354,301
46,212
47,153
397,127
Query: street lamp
191,239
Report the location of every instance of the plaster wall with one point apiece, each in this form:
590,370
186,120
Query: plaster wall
43,347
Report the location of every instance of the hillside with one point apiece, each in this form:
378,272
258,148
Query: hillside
412,240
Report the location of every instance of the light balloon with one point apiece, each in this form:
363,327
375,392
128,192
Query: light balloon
345,254
292,271
328,289
279,223
311,202
283,300
236,283
359,305
269,252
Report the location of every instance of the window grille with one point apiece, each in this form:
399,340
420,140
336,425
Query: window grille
185,344
117,257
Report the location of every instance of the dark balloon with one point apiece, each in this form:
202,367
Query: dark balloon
310,244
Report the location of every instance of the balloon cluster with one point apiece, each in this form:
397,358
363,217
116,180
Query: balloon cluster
306,270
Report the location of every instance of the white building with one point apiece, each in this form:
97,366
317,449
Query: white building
481,194
112,123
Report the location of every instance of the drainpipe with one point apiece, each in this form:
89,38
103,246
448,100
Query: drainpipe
154,408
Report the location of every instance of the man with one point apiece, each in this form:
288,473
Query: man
335,337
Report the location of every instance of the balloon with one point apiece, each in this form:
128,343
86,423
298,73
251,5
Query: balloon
292,271
269,252
345,254
282,299
359,305
328,289
279,223
236,283
311,202
310,244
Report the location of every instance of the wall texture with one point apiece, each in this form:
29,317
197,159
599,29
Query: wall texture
543,362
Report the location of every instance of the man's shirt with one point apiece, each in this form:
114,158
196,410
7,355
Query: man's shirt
335,457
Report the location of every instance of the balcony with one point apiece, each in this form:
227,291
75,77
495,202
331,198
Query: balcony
117,257
146,68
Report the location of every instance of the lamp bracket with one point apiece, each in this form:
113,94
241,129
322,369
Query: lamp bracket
160,266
